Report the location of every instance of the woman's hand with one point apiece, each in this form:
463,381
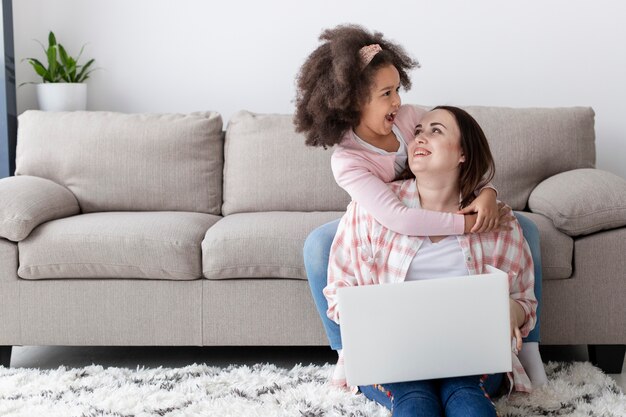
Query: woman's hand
517,320
485,214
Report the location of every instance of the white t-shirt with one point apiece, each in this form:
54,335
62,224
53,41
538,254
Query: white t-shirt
401,153
438,260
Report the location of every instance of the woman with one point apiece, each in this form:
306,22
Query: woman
450,158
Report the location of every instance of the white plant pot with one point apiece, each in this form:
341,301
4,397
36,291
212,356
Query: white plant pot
62,96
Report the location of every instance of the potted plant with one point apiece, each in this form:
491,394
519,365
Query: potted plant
63,87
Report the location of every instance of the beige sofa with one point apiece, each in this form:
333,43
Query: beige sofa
147,229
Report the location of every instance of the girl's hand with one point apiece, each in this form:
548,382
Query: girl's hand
506,217
470,221
491,215
486,207
516,312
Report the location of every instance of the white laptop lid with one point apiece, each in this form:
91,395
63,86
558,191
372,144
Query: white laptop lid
426,329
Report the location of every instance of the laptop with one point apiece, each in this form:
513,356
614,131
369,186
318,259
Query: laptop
428,329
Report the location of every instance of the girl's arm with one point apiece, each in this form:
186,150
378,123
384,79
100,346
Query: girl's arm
353,173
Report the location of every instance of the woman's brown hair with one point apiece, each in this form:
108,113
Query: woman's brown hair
479,167
332,86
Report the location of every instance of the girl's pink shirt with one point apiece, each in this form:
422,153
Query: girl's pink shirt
364,175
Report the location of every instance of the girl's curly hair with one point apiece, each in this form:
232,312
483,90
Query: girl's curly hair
332,85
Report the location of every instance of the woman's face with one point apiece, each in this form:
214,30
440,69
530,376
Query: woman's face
377,115
436,148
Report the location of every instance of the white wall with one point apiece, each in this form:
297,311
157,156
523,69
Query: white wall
187,55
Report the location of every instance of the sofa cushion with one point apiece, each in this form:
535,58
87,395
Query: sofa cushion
127,162
27,201
267,167
158,245
260,245
557,248
582,201
528,144
532,144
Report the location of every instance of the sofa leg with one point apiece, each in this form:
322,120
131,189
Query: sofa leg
609,358
5,356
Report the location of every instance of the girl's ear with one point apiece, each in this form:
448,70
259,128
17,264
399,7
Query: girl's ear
462,159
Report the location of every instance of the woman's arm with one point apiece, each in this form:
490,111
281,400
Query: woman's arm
518,317
331,294
341,266
512,255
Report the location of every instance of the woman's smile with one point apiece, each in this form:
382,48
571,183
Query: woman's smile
421,152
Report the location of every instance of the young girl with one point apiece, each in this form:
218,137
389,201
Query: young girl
348,95
449,158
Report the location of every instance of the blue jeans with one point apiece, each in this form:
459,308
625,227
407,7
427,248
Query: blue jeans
317,250
467,396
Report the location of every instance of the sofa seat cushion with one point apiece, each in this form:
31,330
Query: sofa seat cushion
557,248
153,245
260,245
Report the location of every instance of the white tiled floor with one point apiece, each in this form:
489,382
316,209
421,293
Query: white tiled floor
286,357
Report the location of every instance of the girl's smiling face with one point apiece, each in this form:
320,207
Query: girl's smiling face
378,114
436,148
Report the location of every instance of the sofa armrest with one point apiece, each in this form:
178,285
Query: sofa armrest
26,202
581,201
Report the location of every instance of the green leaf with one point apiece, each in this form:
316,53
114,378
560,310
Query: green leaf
80,53
63,55
83,74
52,40
86,75
52,62
62,71
71,70
39,68
33,61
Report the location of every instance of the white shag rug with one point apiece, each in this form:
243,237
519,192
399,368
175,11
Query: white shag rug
577,389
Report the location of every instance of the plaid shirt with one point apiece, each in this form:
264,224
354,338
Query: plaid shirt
364,253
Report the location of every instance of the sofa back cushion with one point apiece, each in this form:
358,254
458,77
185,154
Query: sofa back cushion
127,162
267,167
532,144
